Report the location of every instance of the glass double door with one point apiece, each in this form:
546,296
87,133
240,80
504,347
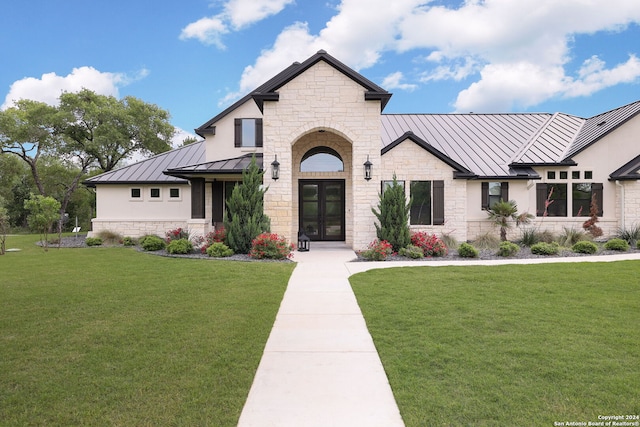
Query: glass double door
321,205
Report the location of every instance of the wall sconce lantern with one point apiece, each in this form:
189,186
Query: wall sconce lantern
304,242
367,169
275,169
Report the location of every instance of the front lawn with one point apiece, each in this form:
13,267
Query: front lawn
507,345
112,336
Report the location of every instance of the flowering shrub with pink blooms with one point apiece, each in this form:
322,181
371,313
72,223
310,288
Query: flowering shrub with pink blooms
378,250
430,244
272,246
176,234
216,236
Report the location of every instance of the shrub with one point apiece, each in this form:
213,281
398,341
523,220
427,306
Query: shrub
631,234
152,243
466,250
590,224
544,248
128,241
412,251
271,246
449,241
217,236
430,244
176,234
508,249
219,250
617,245
378,250
584,247
110,237
180,246
571,236
93,241
393,216
529,237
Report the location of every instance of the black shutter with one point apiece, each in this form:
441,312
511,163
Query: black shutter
485,195
596,190
197,198
258,132
237,141
218,201
504,191
541,198
438,202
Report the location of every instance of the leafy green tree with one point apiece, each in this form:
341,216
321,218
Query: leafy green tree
43,213
503,213
245,218
393,216
4,228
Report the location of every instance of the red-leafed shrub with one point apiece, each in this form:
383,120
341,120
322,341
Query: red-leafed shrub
430,244
216,236
378,250
271,246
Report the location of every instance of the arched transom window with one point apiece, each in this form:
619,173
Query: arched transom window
321,159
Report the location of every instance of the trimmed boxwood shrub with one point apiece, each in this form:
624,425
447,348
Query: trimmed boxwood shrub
93,241
180,247
544,248
466,250
152,243
508,249
585,247
128,241
219,250
412,251
617,245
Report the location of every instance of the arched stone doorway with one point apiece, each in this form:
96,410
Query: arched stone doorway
321,187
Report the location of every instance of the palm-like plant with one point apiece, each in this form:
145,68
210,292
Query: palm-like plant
503,213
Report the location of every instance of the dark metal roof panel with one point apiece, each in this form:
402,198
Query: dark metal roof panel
598,126
235,165
151,169
482,143
629,171
552,140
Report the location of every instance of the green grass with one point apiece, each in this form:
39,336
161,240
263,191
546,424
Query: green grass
111,336
507,345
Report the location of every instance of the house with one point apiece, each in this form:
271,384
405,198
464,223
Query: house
319,131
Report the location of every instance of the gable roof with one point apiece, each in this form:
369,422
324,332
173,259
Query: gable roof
151,170
268,90
227,166
628,171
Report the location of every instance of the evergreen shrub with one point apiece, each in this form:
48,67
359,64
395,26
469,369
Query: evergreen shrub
152,243
617,245
507,249
393,216
412,251
180,246
93,241
466,250
219,250
544,248
584,247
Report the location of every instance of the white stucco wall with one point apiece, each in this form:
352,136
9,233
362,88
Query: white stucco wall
221,145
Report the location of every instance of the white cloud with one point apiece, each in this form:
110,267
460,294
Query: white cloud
393,81
236,15
50,86
513,53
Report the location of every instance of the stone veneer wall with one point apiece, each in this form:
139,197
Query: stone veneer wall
411,162
322,98
136,228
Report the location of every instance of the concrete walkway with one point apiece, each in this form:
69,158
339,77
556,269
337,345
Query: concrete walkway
320,367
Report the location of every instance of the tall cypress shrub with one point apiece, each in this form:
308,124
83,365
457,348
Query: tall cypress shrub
245,218
393,216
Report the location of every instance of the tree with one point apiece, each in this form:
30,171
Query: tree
4,228
189,140
111,130
502,213
245,218
393,215
43,213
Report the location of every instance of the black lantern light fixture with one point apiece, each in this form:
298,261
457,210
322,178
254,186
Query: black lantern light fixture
367,169
304,242
275,169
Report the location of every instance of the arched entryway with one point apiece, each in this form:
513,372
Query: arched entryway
322,165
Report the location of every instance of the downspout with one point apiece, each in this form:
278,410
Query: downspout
622,213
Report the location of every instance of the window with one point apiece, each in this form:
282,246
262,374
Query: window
136,193
564,175
551,175
155,193
174,193
387,184
248,133
427,202
493,192
321,159
582,194
588,175
575,175
551,199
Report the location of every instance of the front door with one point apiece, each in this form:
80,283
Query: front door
322,209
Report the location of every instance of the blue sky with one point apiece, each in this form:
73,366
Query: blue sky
195,57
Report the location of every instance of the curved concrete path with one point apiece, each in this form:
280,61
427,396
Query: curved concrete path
320,366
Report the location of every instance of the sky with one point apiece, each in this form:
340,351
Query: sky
196,57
